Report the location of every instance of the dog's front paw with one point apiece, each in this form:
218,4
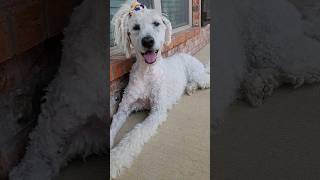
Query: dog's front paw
205,82
115,166
121,157
191,88
259,85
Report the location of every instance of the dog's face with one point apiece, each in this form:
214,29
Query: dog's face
146,31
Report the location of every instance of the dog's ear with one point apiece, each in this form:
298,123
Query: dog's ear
167,23
120,25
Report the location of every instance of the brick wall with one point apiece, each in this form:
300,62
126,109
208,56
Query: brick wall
187,41
196,11
26,23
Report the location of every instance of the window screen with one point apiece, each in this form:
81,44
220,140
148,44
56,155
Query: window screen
115,5
177,11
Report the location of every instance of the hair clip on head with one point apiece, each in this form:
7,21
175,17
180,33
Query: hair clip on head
135,7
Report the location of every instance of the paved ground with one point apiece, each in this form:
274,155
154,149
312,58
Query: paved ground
276,141
180,150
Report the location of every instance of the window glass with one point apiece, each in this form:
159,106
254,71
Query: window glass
177,11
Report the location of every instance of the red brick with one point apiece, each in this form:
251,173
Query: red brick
58,13
165,54
117,71
120,67
197,31
28,22
196,15
195,22
195,2
181,47
171,45
173,42
165,48
111,74
176,41
180,38
5,52
127,66
190,34
193,31
170,52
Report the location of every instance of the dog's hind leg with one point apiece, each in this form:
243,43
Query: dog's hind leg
259,84
198,74
203,80
305,76
304,65
191,88
302,74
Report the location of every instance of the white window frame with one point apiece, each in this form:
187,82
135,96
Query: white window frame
157,6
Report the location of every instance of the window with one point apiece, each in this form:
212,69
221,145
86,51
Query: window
179,12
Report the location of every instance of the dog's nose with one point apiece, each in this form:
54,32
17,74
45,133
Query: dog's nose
147,42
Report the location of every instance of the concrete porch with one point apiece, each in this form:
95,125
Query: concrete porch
180,150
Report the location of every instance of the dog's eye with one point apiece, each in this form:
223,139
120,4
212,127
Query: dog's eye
136,27
156,23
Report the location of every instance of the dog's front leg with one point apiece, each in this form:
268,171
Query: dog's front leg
131,145
49,142
125,108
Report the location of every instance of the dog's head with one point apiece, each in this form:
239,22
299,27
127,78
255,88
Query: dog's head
145,30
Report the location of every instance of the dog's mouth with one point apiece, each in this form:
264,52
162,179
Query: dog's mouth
150,56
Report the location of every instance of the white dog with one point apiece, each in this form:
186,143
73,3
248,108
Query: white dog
155,83
73,118
260,46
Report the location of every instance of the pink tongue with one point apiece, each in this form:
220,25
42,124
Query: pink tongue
150,57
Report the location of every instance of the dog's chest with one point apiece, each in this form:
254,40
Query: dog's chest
144,87
148,82
154,74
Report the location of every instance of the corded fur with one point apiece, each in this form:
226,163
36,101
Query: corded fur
155,87
75,101
260,46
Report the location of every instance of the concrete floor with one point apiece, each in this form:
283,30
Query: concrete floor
180,149
278,140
